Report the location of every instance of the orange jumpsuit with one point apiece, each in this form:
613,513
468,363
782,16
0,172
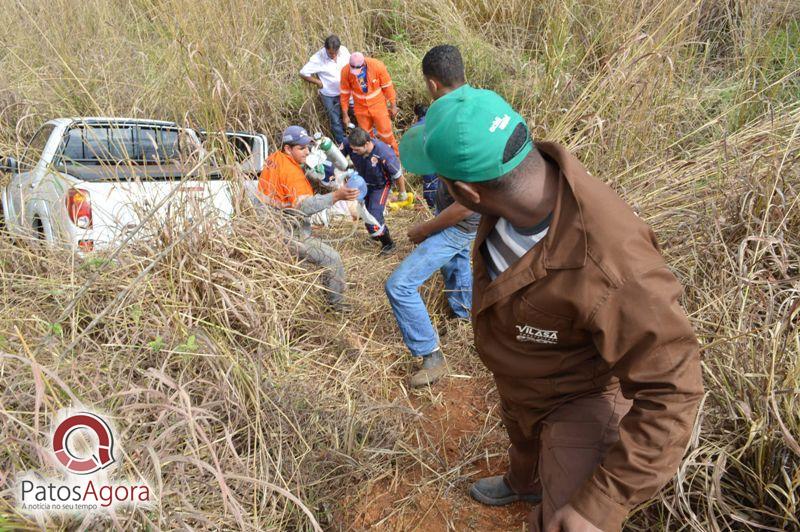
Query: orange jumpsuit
370,107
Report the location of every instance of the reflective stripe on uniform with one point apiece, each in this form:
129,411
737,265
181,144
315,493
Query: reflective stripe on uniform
376,230
386,135
385,194
369,96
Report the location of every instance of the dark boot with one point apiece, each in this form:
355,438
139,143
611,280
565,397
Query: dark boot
387,244
495,491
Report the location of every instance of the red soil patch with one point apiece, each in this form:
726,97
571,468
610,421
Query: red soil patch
454,448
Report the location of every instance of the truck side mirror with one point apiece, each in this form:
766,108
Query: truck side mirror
9,165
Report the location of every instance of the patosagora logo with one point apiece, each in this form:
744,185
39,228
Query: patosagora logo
105,448
83,445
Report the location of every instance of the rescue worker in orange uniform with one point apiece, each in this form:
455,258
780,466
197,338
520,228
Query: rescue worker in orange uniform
283,185
368,82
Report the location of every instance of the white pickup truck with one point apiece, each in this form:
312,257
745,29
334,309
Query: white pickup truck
86,183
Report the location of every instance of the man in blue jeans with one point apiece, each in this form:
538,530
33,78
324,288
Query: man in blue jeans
444,242
324,69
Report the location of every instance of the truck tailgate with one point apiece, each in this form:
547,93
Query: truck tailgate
119,207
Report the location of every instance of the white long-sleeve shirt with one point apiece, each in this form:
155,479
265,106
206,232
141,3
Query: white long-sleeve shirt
328,71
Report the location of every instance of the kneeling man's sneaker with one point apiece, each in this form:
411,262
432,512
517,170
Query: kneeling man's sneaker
495,491
433,368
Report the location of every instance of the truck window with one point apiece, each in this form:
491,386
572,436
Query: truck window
159,145
239,146
35,148
121,152
73,145
96,145
243,147
111,144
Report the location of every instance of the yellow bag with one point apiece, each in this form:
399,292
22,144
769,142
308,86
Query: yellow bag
406,204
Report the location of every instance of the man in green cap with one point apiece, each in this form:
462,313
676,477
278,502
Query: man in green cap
575,313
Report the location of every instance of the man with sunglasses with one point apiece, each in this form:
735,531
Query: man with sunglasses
375,100
284,185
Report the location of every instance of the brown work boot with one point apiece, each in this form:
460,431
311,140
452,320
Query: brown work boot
433,368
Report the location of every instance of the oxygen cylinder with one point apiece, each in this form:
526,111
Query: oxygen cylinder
334,155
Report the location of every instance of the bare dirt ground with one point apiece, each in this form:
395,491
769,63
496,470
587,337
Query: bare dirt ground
438,500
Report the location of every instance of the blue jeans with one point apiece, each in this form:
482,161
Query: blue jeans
430,183
449,251
334,108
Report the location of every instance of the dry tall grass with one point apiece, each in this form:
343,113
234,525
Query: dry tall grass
250,409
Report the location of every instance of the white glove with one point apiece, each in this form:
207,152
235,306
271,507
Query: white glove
403,196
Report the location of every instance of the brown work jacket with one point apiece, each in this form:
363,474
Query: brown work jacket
593,306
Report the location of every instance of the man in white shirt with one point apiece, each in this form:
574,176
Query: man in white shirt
324,69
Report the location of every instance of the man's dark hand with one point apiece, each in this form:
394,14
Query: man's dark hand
567,519
345,193
417,233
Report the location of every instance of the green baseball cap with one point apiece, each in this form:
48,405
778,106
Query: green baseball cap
464,137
